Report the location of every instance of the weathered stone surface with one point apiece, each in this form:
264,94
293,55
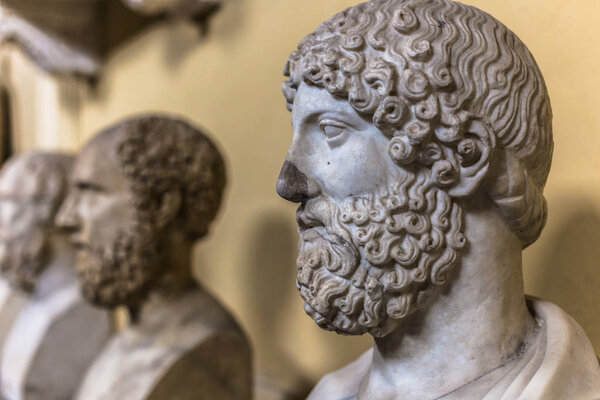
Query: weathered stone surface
422,143
156,185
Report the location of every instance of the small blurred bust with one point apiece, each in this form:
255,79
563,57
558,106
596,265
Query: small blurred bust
37,262
32,187
145,191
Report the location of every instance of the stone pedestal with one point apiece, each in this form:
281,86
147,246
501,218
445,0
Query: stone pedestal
186,349
49,347
11,303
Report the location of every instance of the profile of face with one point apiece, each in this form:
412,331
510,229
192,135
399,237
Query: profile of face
391,140
116,251
375,237
32,186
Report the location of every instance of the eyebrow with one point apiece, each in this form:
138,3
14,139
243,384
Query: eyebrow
313,117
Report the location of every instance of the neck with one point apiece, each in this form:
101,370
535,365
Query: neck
59,272
478,323
176,282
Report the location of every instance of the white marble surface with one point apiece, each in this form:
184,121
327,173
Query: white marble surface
559,364
52,342
11,303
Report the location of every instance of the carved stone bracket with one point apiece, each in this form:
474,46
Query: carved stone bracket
194,8
72,37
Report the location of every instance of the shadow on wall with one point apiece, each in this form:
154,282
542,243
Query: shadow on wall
178,38
183,37
228,25
6,125
271,276
569,273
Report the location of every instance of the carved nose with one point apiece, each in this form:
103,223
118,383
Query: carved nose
292,184
66,219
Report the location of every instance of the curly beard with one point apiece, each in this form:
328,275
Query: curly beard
122,272
371,262
23,258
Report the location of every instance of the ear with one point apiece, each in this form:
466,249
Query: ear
169,208
468,160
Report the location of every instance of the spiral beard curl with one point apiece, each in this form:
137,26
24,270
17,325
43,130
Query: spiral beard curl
121,273
371,262
23,259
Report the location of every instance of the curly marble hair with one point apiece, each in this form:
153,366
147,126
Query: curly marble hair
159,155
417,68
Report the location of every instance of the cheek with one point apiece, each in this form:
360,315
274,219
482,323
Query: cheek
104,218
22,222
359,166
12,218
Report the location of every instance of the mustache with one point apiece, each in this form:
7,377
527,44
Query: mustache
319,212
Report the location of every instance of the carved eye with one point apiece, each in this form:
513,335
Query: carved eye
332,131
335,132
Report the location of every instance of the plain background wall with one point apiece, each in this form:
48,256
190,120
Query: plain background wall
229,82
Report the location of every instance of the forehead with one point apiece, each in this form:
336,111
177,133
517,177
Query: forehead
311,101
97,163
18,178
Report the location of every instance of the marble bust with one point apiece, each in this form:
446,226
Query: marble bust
145,191
422,143
54,335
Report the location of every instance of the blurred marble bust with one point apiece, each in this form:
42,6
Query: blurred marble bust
145,191
54,326
422,144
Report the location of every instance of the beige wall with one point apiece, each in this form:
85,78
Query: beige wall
45,111
229,82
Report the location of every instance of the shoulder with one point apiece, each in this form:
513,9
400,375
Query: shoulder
343,384
219,367
570,367
201,307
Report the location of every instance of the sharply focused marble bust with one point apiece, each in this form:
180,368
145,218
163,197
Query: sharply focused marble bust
145,191
54,335
422,143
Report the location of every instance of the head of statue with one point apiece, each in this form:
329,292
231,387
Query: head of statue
32,188
138,187
405,112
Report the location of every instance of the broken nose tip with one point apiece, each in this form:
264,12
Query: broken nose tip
292,184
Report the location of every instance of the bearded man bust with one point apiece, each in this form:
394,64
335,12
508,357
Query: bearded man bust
145,191
422,144
55,335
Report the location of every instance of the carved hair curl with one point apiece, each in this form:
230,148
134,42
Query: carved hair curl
417,66
159,155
